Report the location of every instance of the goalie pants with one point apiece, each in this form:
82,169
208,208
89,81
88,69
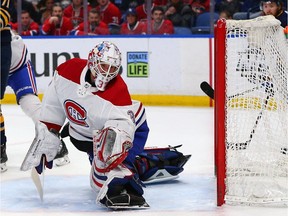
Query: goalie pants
22,81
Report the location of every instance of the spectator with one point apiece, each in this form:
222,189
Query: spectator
65,3
27,6
232,6
110,13
248,5
124,5
142,10
57,24
199,6
161,2
179,14
29,27
45,9
132,26
95,25
93,3
275,8
75,12
159,25
225,14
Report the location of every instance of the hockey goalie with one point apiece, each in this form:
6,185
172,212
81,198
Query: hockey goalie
105,123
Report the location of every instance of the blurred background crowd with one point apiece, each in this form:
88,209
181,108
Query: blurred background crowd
127,17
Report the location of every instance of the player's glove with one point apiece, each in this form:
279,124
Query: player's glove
47,164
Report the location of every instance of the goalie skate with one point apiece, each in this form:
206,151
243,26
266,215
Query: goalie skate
3,167
3,158
124,200
62,158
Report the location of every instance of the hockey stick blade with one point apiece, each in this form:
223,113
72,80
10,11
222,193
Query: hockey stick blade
207,89
37,183
36,179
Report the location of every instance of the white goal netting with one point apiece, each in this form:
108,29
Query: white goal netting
256,112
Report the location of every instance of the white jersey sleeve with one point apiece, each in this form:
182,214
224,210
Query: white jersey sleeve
52,110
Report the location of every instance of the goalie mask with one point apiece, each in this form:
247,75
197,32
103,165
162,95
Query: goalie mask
104,61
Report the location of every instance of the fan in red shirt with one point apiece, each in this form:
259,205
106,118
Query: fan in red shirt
199,6
161,2
132,26
75,11
95,25
142,10
57,24
29,27
159,26
110,13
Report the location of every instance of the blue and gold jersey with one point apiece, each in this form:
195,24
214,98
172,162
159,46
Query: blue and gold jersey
5,11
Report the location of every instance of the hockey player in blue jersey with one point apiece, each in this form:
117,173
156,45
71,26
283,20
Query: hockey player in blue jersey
22,80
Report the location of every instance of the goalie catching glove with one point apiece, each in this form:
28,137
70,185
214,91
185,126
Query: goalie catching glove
160,164
111,147
45,144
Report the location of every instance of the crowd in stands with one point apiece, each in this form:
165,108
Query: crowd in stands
104,17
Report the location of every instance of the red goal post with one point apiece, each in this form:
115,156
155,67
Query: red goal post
251,112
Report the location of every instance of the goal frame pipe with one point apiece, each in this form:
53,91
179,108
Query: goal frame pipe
219,111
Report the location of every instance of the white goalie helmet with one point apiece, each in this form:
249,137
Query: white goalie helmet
104,61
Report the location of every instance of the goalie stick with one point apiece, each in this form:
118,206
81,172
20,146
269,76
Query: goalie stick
36,180
209,91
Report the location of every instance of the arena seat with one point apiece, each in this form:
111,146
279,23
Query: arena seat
182,30
203,23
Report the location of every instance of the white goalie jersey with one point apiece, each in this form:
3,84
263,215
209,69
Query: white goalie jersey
70,96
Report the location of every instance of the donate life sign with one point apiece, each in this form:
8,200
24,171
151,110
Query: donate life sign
137,64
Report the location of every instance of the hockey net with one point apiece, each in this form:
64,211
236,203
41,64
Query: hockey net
251,112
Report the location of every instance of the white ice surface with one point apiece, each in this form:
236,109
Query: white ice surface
67,191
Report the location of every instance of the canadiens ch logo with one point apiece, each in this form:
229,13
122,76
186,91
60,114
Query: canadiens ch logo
75,113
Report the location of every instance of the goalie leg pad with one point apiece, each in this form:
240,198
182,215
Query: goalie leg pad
158,164
121,189
45,143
